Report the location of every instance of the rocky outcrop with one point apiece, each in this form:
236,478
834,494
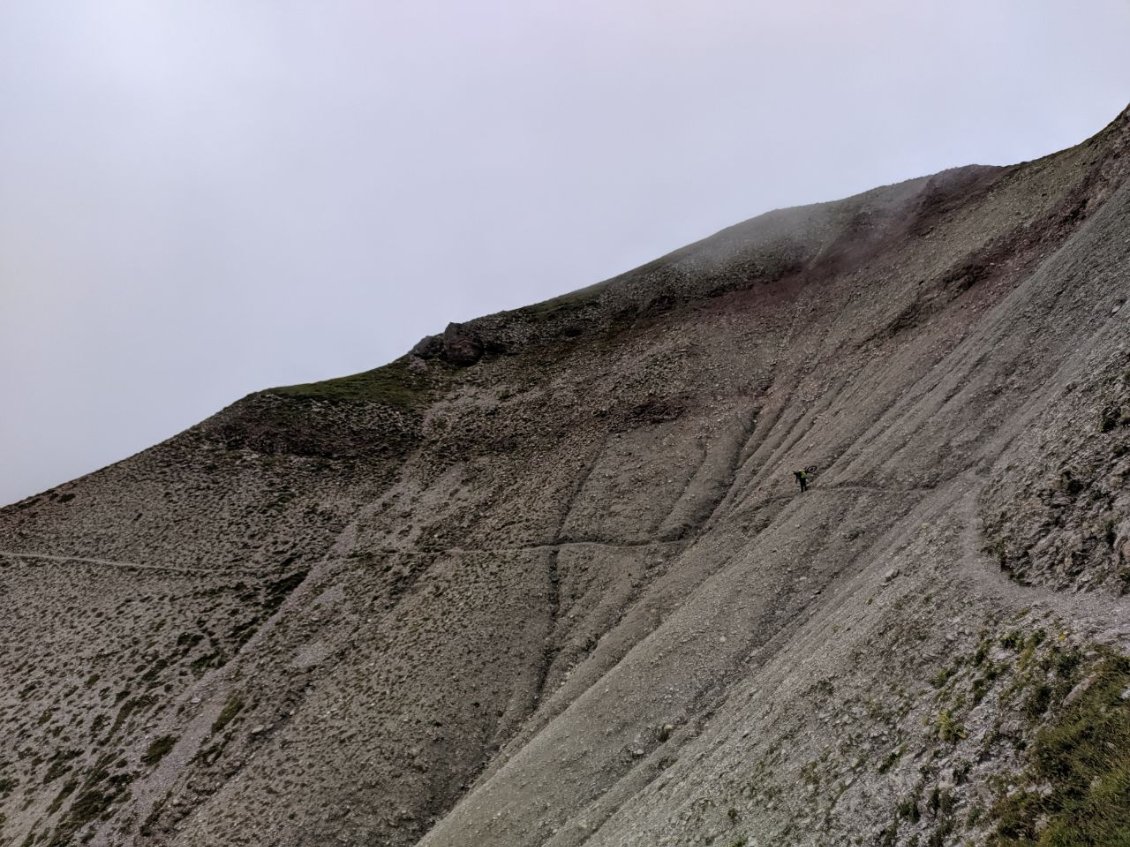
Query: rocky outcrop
459,345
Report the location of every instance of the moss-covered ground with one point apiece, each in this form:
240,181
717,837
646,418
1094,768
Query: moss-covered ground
1075,791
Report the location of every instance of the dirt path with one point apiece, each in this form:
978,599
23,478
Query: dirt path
532,548
125,565
1103,618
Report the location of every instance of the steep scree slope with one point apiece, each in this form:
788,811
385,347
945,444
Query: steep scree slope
548,580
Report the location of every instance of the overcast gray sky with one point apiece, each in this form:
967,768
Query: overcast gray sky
203,198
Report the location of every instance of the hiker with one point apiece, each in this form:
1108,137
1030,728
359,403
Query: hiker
802,478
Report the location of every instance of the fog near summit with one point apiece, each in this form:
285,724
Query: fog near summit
199,200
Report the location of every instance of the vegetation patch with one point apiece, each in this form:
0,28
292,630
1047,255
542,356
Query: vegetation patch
1075,789
280,589
188,640
60,764
202,663
68,788
127,708
948,727
565,305
232,708
150,675
157,749
907,809
98,792
892,759
393,385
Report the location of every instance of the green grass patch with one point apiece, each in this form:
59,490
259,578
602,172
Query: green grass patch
232,708
564,305
907,809
68,788
393,385
892,759
948,727
89,805
943,676
127,708
982,653
1078,775
1014,640
209,660
97,793
156,751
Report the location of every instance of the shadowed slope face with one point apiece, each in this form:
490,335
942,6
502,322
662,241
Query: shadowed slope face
548,580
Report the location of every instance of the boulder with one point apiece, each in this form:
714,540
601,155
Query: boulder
458,345
461,345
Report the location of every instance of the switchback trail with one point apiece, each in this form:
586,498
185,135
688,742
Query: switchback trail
1097,615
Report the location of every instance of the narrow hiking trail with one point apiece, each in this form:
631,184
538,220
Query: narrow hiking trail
50,557
1096,615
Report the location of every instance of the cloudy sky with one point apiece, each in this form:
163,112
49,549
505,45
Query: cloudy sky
202,198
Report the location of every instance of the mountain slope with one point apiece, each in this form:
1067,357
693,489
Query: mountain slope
548,579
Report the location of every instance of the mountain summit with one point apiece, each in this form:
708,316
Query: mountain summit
549,580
